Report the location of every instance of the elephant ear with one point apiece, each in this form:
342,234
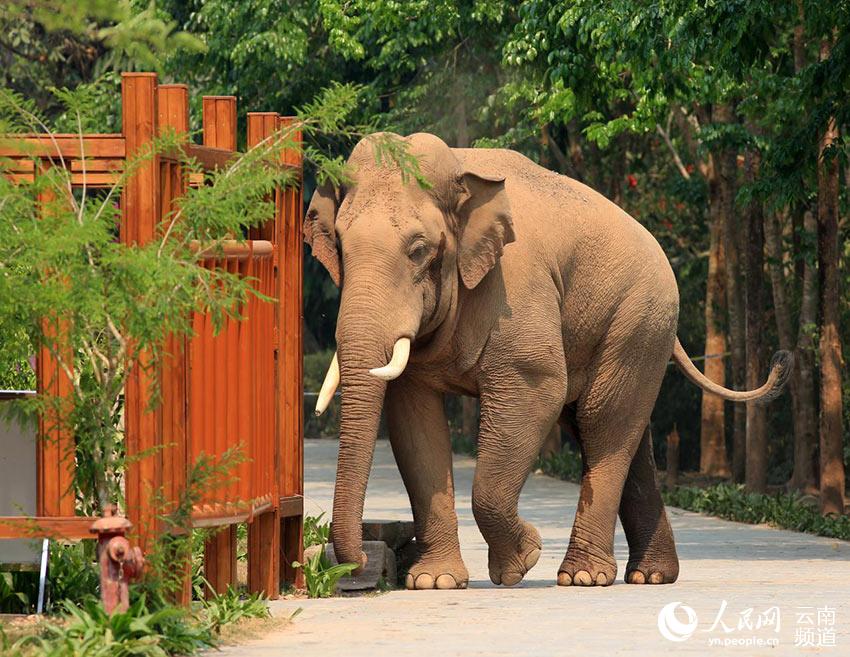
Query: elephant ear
485,220
319,228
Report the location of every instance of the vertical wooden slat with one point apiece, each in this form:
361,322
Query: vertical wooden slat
55,446
219,128
290,335
139,217
264,532
173,113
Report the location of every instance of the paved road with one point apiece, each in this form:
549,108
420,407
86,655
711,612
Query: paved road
755,568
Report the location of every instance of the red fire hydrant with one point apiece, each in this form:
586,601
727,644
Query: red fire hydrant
118,562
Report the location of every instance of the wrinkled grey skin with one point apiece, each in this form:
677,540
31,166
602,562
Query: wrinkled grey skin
532,292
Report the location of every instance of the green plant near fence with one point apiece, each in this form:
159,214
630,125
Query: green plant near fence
320,576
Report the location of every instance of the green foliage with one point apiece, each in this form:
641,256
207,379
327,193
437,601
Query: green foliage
316,531
566,465
72,573
784,510
55,43
140,631
15,595
230,607
320,576
178,544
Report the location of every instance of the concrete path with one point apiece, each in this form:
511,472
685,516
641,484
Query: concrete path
802,580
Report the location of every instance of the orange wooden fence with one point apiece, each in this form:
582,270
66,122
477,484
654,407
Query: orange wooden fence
239,389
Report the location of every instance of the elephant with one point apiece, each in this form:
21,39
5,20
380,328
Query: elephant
502,280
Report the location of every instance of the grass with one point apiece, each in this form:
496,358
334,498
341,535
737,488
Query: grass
724,500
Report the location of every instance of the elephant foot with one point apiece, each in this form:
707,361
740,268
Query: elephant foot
582,569
509,563
437,574
652,571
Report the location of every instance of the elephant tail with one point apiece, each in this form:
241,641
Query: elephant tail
780,369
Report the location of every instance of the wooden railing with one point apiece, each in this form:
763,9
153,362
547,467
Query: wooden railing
239,390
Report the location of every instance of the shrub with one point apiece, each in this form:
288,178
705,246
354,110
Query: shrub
88,630
784,510
565,465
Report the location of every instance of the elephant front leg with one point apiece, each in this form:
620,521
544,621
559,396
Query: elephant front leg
515,419
419,434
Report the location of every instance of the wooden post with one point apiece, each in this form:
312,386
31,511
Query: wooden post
173,113
264,532
55,446
139,217
289,237
219,123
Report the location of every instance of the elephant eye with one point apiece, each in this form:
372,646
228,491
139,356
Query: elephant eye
418,252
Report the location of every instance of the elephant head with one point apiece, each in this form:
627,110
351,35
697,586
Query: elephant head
399,252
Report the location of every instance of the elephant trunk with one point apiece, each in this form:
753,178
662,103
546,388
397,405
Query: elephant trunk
362,344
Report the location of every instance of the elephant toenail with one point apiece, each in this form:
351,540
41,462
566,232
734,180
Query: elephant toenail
446,581
656,578
424,581
409,582
637,577
601,579
531,559
583,578
564,579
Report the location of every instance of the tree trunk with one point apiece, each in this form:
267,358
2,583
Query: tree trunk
806,471
756,458
671,478
803,478
713,459
831,456
469,418
735,303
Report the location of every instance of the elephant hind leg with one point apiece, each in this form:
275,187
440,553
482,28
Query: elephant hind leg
652,551
612,414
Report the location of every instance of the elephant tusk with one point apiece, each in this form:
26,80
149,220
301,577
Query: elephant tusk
393,369
328,387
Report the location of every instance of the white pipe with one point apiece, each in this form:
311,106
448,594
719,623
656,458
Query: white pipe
329,387
393,369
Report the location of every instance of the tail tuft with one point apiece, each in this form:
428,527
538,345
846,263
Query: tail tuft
781,366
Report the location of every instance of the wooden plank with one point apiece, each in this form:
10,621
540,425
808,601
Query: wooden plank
290,336
290,239
219,129
55,446
66,146
291,505
173,113
235,250
70,528
264,539
207,158
140,215
220,560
